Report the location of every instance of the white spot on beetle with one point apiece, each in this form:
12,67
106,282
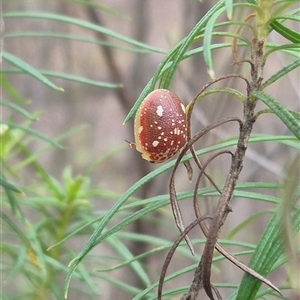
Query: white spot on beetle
155,143
159,110
177,131
141,129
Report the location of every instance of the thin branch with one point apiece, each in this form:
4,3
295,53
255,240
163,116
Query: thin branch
220,249
172,191
172,251
223,207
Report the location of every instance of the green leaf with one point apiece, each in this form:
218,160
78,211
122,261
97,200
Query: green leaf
243,225
167,67
34,133
293,65
7,185
292,49
149,87
240,96
9,189
127,255
158,202
98,236
229,9
207,42
267,252
80,23
78,38
28,159
286,32
252,1
121,201
71,77
285,116
19,110
29,70
10,90
186,42
120,284
15,228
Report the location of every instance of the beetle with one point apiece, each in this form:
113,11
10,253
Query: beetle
160,126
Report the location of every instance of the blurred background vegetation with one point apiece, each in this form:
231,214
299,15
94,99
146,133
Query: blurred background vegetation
65,161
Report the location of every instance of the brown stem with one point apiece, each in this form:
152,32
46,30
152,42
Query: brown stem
172,251
172,191
218,247
190,108
223,207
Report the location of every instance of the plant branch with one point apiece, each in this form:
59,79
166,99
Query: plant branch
172,191
223,207
218,247
173,249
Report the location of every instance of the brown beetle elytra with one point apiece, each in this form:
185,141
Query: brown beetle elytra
160,126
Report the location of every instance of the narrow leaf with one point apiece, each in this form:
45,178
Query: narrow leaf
292,49
77,38
293,65
207,42
34,133
186,42
30,70
81,23
283,114
10,90
168,66
286,32
229,9
266,254
19,110
7,185
9,189
127,255
71,77
98,235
